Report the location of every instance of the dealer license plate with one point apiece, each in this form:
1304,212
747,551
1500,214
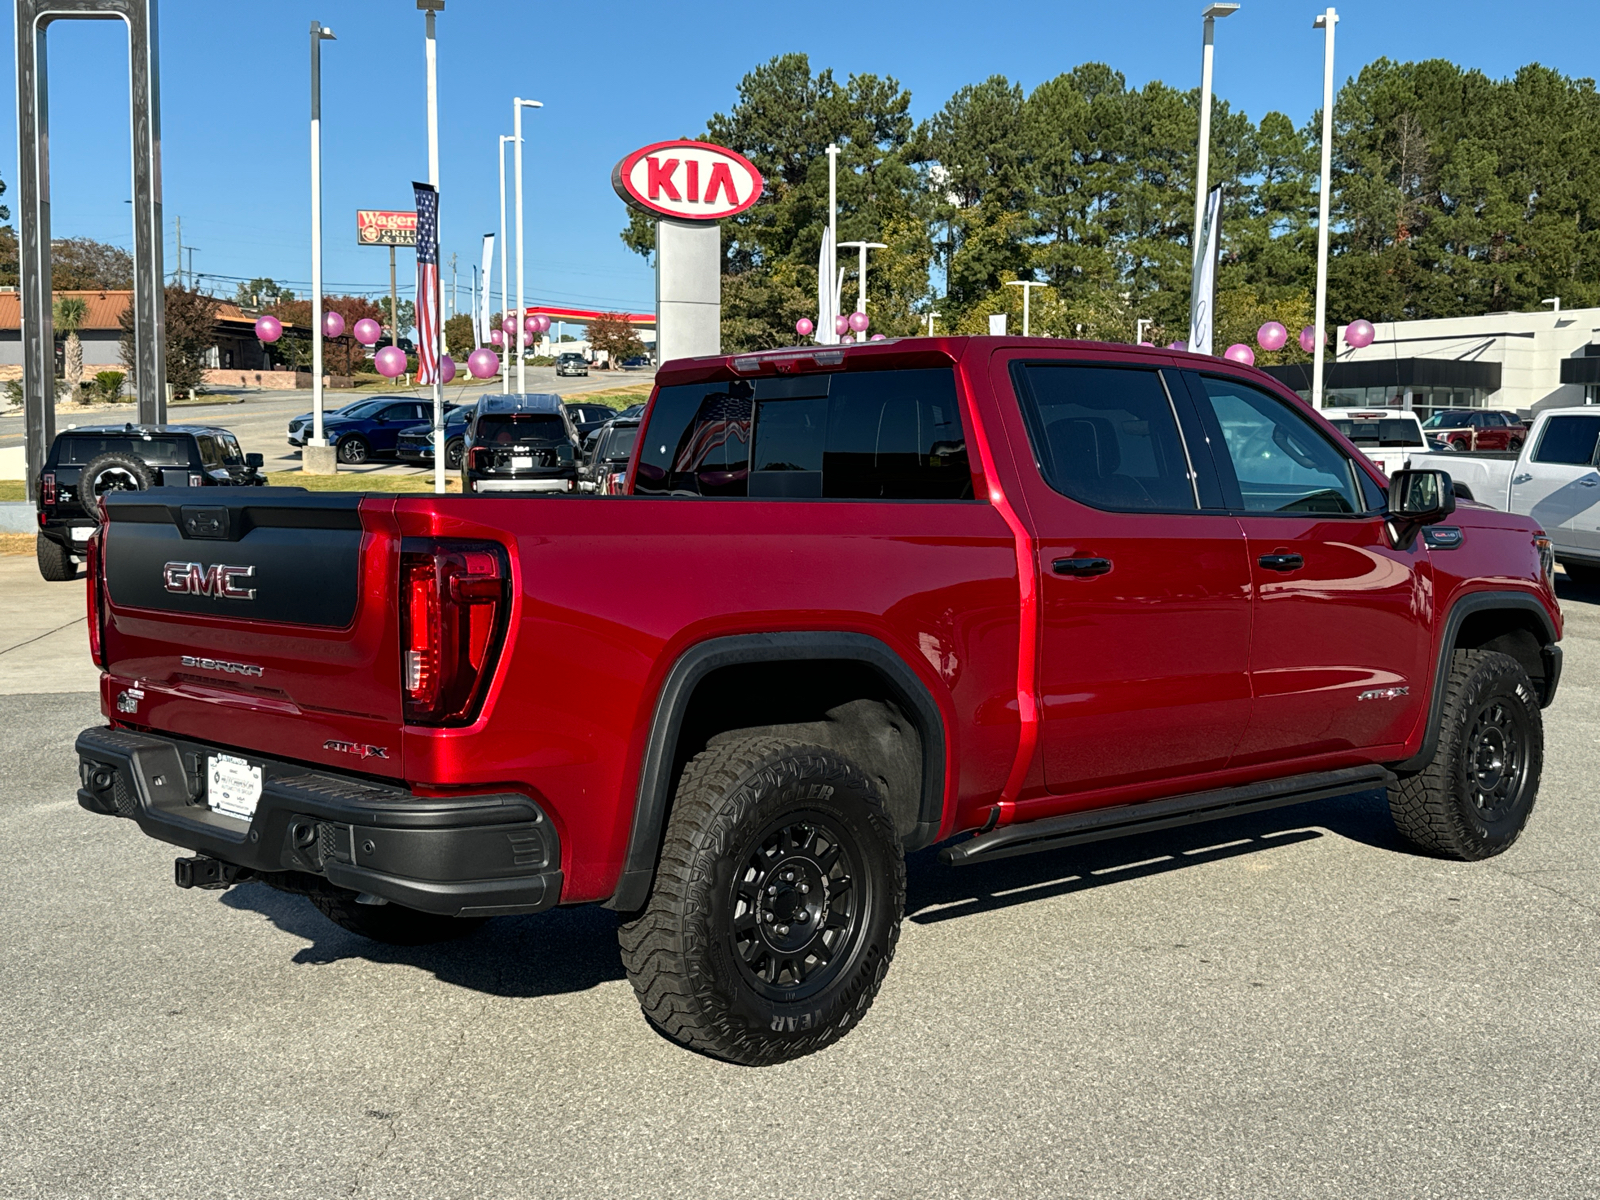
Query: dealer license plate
522,464
234,786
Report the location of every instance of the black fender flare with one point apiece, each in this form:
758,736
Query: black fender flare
1466,606
655,772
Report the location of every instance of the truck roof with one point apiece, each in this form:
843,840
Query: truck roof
519,402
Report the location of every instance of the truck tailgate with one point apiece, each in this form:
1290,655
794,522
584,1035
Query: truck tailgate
262,619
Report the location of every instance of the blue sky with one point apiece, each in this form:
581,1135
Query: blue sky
613,77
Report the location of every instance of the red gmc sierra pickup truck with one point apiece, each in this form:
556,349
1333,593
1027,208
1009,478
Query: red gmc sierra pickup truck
1001,593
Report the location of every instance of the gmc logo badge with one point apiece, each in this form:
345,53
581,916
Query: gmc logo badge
219,579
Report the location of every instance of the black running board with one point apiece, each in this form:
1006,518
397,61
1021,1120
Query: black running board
1125,820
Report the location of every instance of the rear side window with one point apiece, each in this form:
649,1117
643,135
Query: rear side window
878,435
1568,441
158,452
1105,436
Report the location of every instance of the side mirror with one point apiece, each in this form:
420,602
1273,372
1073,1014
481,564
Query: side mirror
1417,499
255,461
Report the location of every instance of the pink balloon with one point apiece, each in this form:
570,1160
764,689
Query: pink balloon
1359,333
544,322
531,324
858,322
878,337
368,331
804,326
332,324
497,337
1240,353
841,324
1272,336
447,368
1308,339
1150,344
483,362
509,325
847,339
390,361
1177,345
269,328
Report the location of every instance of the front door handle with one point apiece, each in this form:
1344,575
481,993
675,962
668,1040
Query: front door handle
1082,568
1281,562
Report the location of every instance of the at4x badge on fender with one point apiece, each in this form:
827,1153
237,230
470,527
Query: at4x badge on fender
357,749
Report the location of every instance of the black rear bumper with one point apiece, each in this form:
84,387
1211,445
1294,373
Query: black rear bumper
484,855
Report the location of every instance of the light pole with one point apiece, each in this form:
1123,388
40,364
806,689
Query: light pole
828,335
431,8
1027,286
861,288
517,105
505,361
1325,22
1203,162
1138,328
931,316
319,33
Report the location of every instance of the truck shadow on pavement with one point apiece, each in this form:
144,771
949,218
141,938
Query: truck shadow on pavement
570,950
937,893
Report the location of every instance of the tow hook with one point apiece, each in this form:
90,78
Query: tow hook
209,873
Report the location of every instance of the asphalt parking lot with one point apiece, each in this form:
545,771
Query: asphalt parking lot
1284,1005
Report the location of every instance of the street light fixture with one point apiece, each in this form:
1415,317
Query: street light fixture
319,33
505,359
1325,22
1027,286
517,105
931,316
1203,163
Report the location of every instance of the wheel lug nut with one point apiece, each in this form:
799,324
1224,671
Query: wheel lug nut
783,931
805,888
772,891
770,918
803,918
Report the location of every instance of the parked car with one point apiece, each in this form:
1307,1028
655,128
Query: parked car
637,363
300,427
366,430
524,442
587,418
415,445
1462,429
1552,478
633,410
90,461
1007,594
571,363
605,467
1386,436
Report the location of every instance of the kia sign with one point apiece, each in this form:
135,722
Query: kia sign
688,181
381,227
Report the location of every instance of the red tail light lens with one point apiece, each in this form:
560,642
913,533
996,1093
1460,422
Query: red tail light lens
92,591
47,488
454,603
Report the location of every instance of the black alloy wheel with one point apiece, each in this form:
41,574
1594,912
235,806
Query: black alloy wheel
1497,758
354,449
453,450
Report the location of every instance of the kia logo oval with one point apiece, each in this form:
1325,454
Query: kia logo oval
689,181
219,579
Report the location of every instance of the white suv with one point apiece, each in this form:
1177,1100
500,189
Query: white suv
1388,436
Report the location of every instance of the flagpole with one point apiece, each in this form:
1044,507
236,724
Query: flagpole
517,105
505,361
438,333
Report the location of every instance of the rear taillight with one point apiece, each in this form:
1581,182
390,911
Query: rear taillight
196,480
47,488
454,603
92,591
482,458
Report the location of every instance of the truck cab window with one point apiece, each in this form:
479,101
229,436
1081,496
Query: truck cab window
1282,462
1105,436
1569,441
698,443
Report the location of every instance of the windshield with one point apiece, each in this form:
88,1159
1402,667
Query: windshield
504,429
1388,431
365,409
1448,420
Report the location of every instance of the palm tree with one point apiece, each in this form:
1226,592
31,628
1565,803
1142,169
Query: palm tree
69,312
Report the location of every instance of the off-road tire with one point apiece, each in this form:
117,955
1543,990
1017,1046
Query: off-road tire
354,450
453,450
1490,733
127,473
698,955
1581,575
392,923
55,560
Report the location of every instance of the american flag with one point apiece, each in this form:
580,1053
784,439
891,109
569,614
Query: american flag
427,283
724,418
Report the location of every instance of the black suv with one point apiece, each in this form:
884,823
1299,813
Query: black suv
522,442
87,462
607,466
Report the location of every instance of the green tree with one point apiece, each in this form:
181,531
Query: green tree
611,335
190,320
408,317
67,314
458,341
261,293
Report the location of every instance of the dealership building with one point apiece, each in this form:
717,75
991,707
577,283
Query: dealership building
1522,362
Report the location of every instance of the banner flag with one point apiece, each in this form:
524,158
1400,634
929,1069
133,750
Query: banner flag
1203,285
827,299
483,313
427,301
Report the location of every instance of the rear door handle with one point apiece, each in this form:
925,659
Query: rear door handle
1081,567
1281,562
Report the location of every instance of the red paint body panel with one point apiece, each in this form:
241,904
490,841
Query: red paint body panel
1186,668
